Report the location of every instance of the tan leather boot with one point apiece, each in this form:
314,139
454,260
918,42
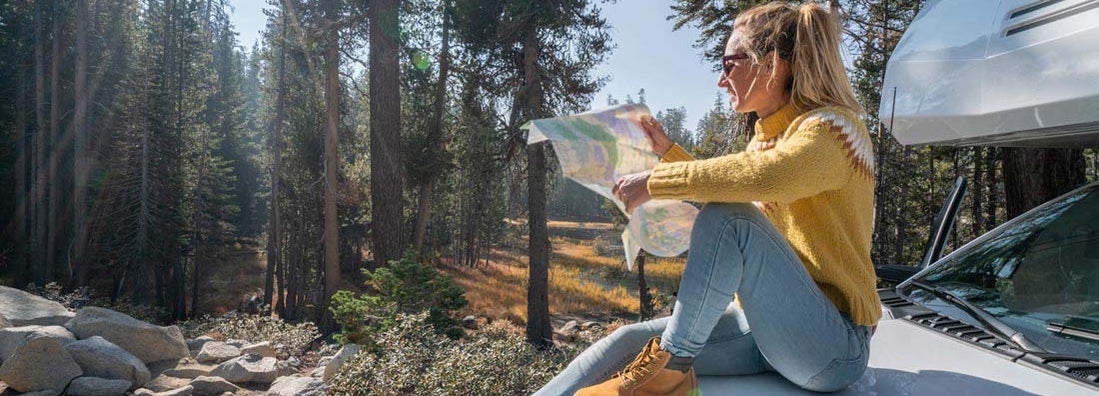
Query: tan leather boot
647,375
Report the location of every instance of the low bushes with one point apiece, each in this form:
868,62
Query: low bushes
411,358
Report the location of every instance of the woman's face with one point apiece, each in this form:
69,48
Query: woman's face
752,86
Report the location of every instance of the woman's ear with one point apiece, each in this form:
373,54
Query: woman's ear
778,69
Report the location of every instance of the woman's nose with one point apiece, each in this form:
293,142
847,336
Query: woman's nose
723,80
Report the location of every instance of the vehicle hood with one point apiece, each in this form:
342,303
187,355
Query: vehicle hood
909,359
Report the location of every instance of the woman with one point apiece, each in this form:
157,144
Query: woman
798,260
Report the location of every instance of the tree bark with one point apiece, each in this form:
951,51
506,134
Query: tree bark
539,329
81,162
436,138
39,174
994,155
53,145
1033,176
977,192
331,161
902,219
22,193
644,311
385,126
274,232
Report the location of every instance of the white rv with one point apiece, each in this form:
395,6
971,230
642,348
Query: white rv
1016,311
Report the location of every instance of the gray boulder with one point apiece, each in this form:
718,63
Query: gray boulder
24,309
590,325
297,386
569,330
248,368
189,370
216,352
195,344
47,392
164,383
148,342
4,322
95,386
212,386
98,357
346,353
184,391
236,342
260,348
40,363
12,337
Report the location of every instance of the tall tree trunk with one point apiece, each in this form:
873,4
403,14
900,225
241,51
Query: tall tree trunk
385,126
331,161
81,162
977,192
1033,176
902,219
436,137
274,232
994,155
22,193
539,330
53,146
41,155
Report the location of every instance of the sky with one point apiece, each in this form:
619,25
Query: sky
649,55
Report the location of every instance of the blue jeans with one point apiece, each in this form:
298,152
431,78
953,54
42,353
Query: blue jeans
783,323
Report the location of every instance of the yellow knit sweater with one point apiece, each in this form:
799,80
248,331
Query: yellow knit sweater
812,174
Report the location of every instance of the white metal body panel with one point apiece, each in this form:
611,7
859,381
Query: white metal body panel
999,72
906,359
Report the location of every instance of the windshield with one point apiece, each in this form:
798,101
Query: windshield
1038,272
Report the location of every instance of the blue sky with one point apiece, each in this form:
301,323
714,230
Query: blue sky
649,55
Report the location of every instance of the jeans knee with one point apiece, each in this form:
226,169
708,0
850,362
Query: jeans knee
637,333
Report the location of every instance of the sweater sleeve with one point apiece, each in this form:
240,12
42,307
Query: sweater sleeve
812,160
675,154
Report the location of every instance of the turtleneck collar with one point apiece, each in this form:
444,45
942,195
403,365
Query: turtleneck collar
775,124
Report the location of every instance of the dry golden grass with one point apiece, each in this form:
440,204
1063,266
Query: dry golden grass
581,282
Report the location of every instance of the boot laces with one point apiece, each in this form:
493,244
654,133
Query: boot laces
641,367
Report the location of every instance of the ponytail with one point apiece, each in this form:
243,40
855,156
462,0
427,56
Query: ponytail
808,36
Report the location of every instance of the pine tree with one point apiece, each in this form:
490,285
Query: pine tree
547,77
385,126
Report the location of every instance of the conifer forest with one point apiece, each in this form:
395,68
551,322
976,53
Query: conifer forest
145,148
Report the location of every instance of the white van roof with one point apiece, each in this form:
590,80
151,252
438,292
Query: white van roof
1007,72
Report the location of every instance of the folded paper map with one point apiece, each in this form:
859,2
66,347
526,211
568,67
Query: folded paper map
595,149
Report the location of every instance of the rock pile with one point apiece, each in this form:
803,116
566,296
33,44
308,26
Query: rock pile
46,350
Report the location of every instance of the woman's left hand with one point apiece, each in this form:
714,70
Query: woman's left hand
633,190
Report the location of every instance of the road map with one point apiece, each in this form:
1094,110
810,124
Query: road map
598,147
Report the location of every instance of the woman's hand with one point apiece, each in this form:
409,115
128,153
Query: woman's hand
656,134
633,190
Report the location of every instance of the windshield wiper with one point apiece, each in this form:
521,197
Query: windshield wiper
1070,330
990,322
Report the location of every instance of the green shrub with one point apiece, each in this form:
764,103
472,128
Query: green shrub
411,358
405,286
604,246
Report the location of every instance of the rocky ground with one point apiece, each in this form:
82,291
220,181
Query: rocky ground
45,349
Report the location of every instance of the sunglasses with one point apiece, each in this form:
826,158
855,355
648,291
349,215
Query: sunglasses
726,61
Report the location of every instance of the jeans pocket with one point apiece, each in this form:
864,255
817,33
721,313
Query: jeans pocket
845,370
837,375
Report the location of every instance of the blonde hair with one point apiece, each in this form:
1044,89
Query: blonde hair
808,37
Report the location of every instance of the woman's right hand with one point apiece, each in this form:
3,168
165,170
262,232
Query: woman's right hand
655,131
